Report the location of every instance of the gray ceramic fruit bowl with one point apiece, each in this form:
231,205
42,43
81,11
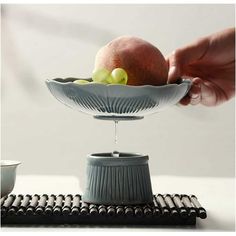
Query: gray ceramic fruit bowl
121,101
8,176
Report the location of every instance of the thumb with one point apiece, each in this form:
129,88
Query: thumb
182,57
174,68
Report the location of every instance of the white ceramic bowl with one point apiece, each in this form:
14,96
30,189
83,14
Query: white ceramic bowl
117,101
8,176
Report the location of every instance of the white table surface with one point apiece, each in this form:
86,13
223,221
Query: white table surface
216,195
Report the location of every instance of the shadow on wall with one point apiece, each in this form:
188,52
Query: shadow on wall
44,24
61,27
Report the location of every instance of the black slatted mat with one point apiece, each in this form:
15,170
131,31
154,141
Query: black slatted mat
175,209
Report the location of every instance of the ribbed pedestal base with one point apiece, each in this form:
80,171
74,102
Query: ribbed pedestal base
118,180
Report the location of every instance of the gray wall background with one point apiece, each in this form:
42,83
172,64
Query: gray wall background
46,41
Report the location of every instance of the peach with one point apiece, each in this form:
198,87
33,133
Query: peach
142,61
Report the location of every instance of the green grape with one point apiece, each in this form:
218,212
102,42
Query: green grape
101,75
93,82
109,79
119,76
81,81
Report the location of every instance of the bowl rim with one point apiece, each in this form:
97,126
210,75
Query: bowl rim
6,163
59,81
124,155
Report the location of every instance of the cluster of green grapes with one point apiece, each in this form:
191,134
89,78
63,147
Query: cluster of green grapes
103,76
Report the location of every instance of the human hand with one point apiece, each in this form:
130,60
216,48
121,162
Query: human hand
210,63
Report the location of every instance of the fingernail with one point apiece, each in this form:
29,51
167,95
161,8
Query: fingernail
194,95
171,71
171,76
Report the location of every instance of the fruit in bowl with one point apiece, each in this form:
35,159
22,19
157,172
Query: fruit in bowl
129,60
103,76
142,62
117,76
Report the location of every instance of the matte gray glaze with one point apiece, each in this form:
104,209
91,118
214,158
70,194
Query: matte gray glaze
102,100
118,180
